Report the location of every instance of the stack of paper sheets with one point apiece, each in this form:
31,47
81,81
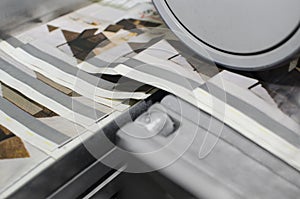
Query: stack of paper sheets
57,81
66,68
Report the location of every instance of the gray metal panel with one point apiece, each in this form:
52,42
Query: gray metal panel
13,13
227,171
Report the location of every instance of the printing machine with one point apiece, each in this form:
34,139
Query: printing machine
243,36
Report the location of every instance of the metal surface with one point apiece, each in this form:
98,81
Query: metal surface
216,164
15,13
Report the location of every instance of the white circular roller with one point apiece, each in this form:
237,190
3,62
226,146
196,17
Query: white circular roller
243,35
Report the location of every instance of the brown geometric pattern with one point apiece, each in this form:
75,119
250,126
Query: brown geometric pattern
11,147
